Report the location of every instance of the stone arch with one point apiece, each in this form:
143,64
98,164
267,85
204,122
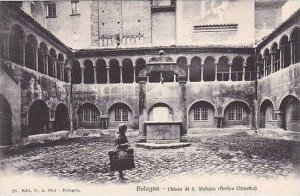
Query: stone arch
16,39
160,112
5,122
183,63
30,51
88,116
120,113
114,71
209,69
88,71
101,71
290,113
295,38
237,68
127,71
201,115
268,118
223,69
51,62
38,117
62,120
195,69
76,73
250,73
140,64
42,53
237,114
285,46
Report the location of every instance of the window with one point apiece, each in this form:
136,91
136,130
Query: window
235,112
200,113
296,111
273,115
88,114
121,114
51,10
74,7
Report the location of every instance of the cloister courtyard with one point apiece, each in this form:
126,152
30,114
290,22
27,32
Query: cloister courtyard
85,159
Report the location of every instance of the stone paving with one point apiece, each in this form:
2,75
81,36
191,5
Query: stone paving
86,159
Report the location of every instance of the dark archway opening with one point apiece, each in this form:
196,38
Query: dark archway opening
5,122
62,121
38,117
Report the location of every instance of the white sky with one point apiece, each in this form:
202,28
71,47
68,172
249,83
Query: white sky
289,8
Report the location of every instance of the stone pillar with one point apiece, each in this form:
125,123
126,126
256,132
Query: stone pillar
63,71
216,71
188,73
280,119
36,61
265,64
95,74
6,45
142,110
293,51
45,58
272,61
107,74
244,72
82,74
54,67
281,51
69,72
134,73
23,61
182,104
201,79
174,77
230,65
121,74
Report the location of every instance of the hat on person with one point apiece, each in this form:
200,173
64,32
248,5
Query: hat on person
122,128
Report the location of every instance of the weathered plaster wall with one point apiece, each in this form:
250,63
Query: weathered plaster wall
10,89
106,95
279,85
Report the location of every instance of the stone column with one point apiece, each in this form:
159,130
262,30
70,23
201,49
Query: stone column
36,61
265,64
134,73
272,61
244,72
107,74
280,119
45,58
82,74
69,72
63,71
23,61
142,110
121,73
201,79
293,51
54,67
6,45
188,73
182,104
281,51
216,71
230,65
95,74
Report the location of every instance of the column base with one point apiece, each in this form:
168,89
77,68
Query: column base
142,138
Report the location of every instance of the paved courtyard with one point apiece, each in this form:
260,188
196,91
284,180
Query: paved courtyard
86,158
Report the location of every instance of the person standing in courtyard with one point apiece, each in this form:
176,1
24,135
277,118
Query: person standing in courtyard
122,158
